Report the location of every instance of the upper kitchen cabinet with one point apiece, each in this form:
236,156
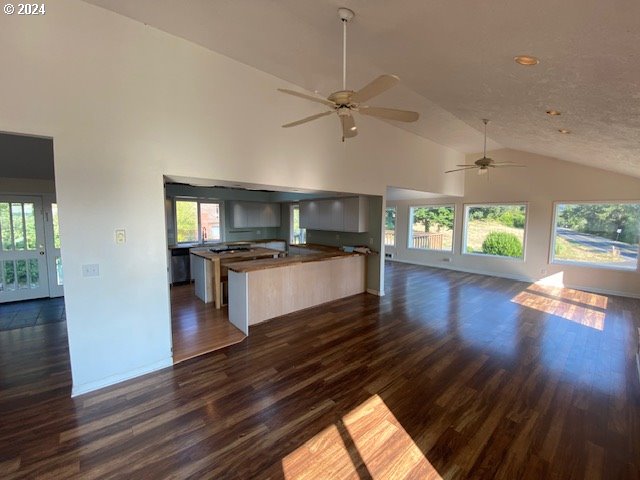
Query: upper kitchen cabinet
255,214
348,214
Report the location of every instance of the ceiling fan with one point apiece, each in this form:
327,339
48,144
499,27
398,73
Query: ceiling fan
344,102
484,164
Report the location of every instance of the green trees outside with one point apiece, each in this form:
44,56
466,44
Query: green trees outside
603,220
438,217
187,221
390,219
508,215
502,243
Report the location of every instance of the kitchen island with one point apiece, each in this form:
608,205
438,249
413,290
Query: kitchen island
209,265
263,289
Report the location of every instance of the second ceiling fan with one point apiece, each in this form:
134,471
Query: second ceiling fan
344,102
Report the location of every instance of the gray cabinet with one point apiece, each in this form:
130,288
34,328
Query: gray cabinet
255,214
348,214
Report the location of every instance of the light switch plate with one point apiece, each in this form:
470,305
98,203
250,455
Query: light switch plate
121,236
91,270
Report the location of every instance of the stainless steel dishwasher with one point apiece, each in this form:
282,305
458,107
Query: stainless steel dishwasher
180,266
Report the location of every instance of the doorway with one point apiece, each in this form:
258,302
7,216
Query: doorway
30,260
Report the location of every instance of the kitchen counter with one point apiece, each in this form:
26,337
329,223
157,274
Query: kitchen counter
254,252
210,267
264,289
252,265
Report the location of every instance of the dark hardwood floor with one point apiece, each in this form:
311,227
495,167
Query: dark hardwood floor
198,327
450,375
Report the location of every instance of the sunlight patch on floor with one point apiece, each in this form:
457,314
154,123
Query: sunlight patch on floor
369,442
387,450
584,308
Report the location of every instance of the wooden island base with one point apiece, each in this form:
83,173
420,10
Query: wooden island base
256,295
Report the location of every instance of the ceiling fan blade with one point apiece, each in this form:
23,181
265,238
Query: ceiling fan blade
348,126
390,113
506,165
307,119
460,169
375,88
329,103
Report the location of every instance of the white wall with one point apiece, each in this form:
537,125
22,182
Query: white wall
544,181
126,104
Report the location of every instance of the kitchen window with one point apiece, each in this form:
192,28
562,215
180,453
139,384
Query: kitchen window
495,230
298,235
603,235
199,221
390,227
431,227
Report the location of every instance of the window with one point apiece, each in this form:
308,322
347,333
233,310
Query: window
597,234
298,235
431,227
497,230
56,242
390,227
198,222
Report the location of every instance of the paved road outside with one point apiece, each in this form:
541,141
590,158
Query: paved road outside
629,253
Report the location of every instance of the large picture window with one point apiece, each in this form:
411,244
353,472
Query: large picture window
390,227
198,222
497,230
597,234
431,227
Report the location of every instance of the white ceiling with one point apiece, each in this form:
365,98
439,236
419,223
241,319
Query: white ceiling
455,59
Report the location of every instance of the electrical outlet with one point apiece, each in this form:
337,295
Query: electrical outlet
121,236
543,271
91,270
370,240
337,236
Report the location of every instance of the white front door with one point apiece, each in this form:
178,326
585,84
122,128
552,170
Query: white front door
23,259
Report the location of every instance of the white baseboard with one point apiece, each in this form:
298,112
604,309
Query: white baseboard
106,382
375,292
520,278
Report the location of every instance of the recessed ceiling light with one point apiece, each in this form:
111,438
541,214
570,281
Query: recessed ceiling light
526,60
553,113
354,128
564,130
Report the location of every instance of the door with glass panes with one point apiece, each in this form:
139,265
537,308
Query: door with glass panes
23,259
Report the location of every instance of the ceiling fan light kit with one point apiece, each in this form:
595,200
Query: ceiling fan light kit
485,163
344,102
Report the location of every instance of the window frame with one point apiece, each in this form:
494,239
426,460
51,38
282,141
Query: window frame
552,240
292,206
199,201
463,242
395,227
410,227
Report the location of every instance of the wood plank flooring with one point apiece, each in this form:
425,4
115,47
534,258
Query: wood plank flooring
198,327
451,375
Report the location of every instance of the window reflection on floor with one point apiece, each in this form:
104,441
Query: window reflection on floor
587,309
369,442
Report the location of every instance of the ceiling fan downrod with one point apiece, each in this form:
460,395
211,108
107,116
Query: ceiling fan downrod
346,16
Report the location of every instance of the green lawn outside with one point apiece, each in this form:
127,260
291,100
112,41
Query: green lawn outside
477,231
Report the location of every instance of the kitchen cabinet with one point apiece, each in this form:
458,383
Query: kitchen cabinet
348,214
255,214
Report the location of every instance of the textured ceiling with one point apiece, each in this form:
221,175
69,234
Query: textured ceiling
455,60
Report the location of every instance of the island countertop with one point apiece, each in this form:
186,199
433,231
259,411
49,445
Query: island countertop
253,265
258,251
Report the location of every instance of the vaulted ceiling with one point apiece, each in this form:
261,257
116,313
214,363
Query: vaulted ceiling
455,59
